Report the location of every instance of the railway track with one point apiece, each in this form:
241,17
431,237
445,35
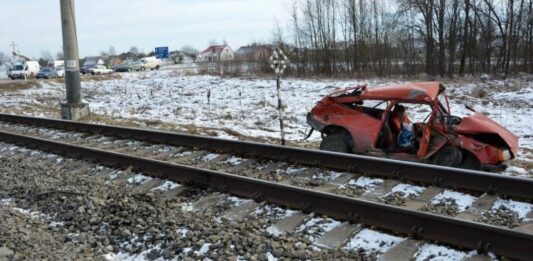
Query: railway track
311,185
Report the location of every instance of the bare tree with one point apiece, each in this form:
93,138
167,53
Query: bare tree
213,42
402,36
134,50
112,51
189,50
46,55
3,58
59,55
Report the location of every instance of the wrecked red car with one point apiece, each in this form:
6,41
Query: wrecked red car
377,122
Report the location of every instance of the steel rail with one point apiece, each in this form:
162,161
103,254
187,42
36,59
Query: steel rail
501,241
424,173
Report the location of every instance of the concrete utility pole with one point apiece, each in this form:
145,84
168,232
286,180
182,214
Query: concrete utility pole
74,109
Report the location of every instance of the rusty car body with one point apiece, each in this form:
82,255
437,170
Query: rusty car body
361,120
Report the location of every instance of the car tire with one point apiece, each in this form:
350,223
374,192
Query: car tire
448,157
142,69
470,161
157,67
336,142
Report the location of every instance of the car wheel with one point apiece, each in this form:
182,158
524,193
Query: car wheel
142,68
449,157
470,161
337,142
157,67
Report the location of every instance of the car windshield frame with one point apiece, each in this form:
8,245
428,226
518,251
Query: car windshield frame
442,107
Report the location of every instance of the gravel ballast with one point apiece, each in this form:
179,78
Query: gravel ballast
71,209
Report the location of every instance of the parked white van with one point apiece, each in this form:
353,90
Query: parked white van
22,70
56,64
150,63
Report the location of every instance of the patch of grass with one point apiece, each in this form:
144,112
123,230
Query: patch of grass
34,109
480,93
18,86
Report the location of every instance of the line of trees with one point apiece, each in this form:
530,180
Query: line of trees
438,37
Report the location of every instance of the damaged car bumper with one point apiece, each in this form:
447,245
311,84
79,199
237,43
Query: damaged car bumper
314,123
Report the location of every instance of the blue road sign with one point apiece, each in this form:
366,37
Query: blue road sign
161,52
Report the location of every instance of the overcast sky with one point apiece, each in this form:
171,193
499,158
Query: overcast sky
35,25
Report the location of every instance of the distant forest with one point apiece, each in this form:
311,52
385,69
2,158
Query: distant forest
380,37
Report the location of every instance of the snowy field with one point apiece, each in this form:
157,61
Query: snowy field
241,108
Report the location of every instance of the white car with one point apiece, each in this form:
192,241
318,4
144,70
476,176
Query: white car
60,72
99,69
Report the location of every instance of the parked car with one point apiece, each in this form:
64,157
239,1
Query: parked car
46,73
150,63
99,69
125,67
137,66
365,121
86,68
26,69
83,69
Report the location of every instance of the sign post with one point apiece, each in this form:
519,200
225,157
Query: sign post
161,52
278,62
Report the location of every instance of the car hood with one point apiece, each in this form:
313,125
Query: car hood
479,123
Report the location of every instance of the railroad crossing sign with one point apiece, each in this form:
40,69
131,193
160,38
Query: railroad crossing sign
161,52
278,61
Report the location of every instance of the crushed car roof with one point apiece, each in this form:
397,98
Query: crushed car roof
419,91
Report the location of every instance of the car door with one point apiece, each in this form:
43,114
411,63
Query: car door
366,125
430,141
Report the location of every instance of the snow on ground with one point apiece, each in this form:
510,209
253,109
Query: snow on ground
167,185
372,241
462,200
271,257
363,182
236,201
407,190
233,161
440,253
241,107
315,227
522,209
327,176
209,157
244,106
273,230
294,170
138,179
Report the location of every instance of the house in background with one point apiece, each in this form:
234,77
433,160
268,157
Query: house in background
254,52
114,60
93,60
216,53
